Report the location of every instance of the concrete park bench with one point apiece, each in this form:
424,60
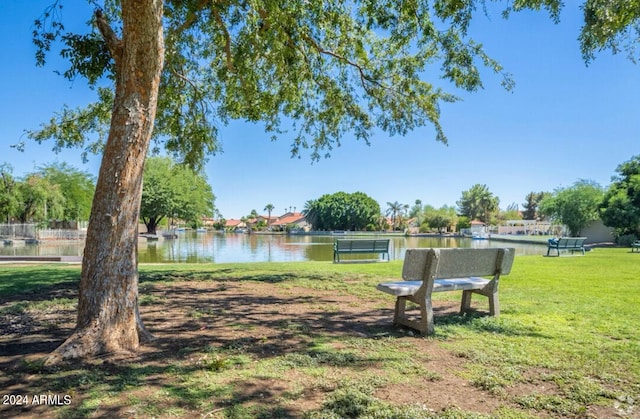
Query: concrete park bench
567,243
635,246
344,246
426,271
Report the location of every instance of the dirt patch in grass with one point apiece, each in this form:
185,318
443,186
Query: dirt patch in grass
239,349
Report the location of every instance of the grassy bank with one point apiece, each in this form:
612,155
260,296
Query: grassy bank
314,339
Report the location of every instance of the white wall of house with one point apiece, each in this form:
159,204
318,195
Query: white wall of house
597,232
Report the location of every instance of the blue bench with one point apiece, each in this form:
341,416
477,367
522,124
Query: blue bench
567,243
344,246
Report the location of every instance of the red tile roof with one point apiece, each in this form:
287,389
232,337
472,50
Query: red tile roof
233,223
288,218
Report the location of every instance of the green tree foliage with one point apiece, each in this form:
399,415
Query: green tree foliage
269,208
478,203
416,210
76,186
575,206
310,212
343,211
9,201
358,65
173,190
40,200
532,202
620,206
396,211
510,213
220,224
312,68
610,24
463,222
441,218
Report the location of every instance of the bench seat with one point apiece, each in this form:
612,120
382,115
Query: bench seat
403,288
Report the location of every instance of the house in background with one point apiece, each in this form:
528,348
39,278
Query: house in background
478,229
597,232
235,225
294,219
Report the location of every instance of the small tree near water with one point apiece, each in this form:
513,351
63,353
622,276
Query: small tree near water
575,206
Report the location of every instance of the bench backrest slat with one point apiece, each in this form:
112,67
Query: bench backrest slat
456,263
571,241
362,244
381,245
344,244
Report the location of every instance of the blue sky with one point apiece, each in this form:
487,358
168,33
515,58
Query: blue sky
563,122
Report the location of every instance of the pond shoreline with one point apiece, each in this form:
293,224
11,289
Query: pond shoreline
216,247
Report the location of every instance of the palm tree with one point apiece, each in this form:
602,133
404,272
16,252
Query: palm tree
394,209
478,202
269,208
310,212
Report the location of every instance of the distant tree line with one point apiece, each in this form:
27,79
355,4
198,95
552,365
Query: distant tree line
52,192
61,193
576,206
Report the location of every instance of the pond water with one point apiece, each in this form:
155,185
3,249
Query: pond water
211,247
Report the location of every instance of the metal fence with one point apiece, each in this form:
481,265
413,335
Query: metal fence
61,234
13,231
31,231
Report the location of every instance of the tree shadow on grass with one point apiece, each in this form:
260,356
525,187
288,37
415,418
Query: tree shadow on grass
206,326
37,285
227,275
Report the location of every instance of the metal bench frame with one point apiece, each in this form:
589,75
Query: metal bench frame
568,243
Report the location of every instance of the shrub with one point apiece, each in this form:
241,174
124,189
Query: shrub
626,239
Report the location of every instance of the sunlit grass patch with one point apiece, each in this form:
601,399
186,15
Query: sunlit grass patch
566,342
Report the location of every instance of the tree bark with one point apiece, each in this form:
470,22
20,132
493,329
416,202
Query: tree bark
108,318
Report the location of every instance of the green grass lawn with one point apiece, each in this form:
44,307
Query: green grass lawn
567,344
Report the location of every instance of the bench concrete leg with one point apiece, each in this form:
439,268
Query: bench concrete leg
424,325
466,301
426,318
494,302
401,304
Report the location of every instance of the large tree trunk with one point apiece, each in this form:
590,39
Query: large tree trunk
152,224
108,318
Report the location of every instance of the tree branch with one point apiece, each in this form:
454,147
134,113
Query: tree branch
364,78
227,40
113,42
192,17
204,104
